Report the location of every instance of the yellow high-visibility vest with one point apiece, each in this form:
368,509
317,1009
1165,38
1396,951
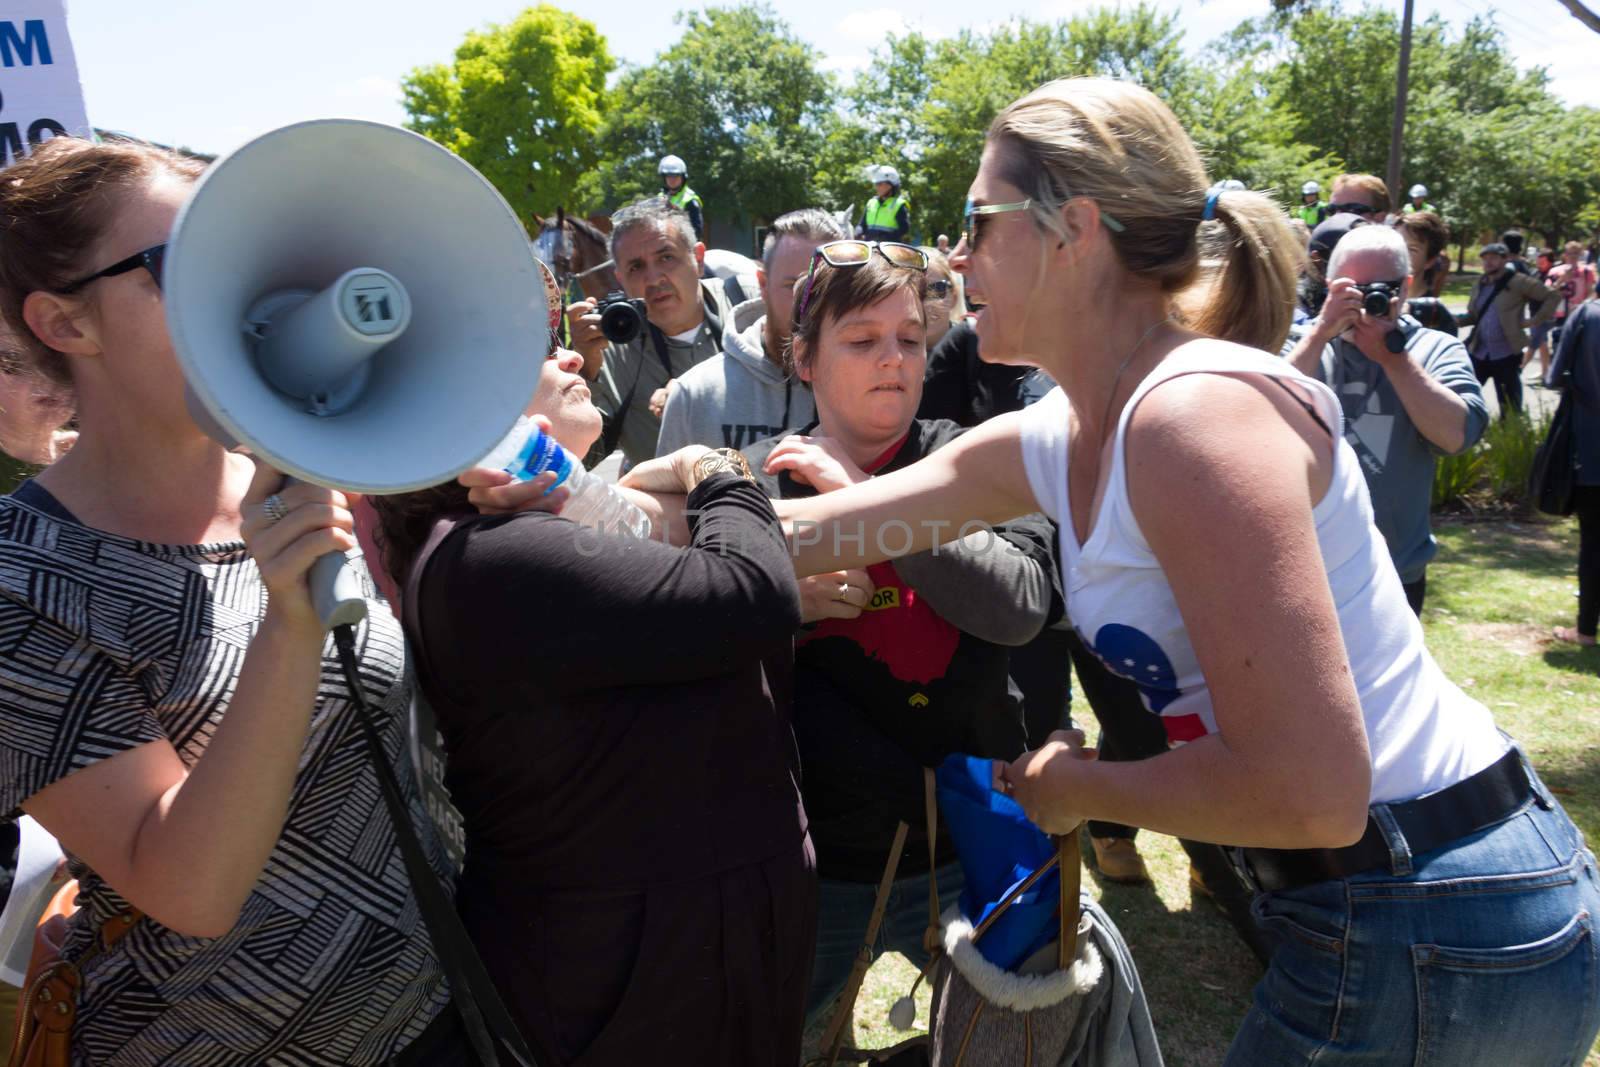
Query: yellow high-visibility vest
882,214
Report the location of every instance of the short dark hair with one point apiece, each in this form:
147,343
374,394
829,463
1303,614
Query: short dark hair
1512,239
837,291
653,211
1427,227
809,222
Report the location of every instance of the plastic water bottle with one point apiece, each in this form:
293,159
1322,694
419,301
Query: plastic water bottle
527,452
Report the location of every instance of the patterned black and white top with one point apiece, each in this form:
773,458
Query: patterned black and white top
107,643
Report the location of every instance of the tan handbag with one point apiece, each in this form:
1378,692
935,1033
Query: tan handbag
49,1004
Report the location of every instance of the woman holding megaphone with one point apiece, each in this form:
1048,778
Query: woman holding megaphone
168,708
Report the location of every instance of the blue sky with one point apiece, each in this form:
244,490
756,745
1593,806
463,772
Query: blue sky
213,73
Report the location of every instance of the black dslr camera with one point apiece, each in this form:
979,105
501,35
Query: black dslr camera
621,319
1376,297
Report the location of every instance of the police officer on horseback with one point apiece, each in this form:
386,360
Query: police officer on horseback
887,216
675,187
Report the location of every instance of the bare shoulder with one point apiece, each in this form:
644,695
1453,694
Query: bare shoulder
1219,438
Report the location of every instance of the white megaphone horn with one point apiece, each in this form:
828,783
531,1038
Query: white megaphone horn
360,308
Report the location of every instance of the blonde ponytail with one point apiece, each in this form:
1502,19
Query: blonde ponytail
1119,145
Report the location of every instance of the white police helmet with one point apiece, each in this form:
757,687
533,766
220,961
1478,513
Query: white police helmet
1419,191
1230,186
671,165
887,174
1309,188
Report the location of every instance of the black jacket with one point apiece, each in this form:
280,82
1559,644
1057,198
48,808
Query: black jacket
1577,367
961,387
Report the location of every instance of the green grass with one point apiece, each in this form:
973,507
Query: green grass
1494,593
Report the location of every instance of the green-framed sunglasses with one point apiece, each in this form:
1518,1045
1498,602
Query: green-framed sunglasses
973,212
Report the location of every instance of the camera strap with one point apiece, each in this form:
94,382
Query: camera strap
1487,309
612,432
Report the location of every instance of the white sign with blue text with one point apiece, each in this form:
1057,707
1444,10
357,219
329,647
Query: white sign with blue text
39,92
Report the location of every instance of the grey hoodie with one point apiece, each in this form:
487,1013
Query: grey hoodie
738,397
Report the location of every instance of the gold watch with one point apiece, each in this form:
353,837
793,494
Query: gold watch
720,460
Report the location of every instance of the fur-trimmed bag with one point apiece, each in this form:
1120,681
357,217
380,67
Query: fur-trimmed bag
984,1016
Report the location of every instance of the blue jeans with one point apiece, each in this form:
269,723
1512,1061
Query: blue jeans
842,913
1479,952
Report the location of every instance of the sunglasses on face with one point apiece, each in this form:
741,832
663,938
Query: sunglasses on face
151,259
974,213
1351,209
856,253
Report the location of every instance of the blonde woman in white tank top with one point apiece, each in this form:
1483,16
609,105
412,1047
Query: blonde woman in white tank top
1421,885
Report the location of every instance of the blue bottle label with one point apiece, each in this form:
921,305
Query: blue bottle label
540,453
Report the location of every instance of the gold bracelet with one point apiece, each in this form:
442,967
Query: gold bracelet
720,460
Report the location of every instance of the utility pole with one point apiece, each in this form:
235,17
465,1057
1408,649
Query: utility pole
1402,83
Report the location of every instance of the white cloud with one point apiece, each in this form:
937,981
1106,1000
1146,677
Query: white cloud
846,64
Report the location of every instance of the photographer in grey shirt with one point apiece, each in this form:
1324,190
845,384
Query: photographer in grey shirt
1402,409
658,261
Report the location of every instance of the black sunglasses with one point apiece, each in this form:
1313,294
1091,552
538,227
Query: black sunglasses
1351,209
151,259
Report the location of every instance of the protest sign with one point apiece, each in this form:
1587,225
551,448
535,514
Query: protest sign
39,92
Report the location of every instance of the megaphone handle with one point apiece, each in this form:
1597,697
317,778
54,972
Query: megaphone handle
336,591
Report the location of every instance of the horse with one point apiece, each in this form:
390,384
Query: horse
577,250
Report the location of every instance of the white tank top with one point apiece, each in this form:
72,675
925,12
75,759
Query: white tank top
1423,732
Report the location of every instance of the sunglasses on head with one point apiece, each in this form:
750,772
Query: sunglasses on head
856,253
1351,209
150,259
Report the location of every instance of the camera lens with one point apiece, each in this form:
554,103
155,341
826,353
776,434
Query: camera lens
621,319
1375,301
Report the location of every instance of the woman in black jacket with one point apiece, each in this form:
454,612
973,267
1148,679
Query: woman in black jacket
1577,368
913,666
638,877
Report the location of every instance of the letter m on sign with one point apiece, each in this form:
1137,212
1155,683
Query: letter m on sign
33,44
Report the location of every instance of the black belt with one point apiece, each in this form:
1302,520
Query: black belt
1492,795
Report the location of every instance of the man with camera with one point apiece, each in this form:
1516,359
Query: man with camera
665,320
1408,393
750,392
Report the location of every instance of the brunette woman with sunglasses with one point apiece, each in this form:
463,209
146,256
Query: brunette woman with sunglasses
900,664
167,707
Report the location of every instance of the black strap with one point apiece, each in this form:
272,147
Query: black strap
483,1013
1310,408
660,343
1488,308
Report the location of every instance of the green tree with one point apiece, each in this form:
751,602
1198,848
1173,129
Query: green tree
880,119
522,102
925,106
739,97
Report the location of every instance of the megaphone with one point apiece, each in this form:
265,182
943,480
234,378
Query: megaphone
357,306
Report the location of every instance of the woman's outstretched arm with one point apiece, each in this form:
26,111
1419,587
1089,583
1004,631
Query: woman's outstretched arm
978,478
